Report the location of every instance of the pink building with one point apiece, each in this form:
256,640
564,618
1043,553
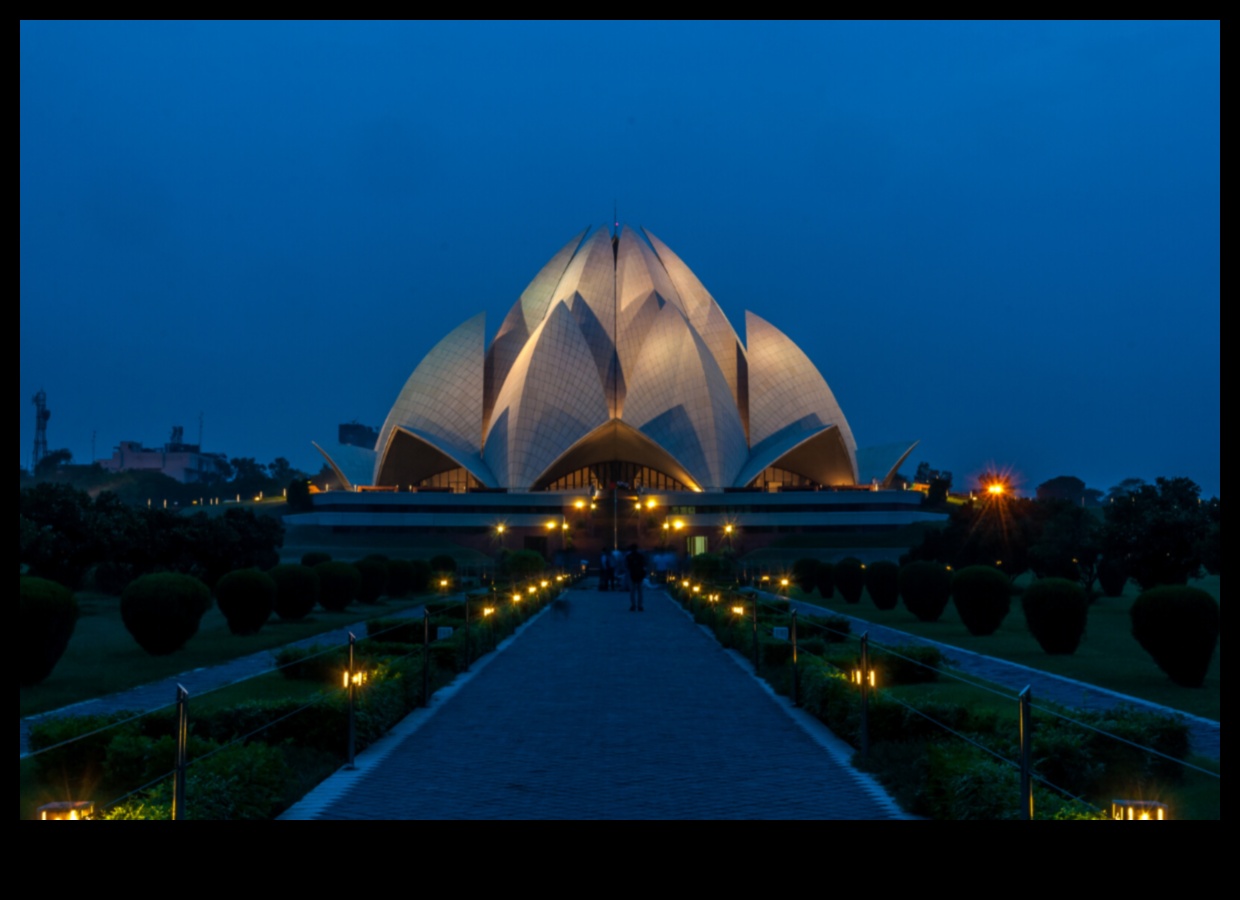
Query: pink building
176,459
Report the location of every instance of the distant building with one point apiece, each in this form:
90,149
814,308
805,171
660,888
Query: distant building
355,434
184,462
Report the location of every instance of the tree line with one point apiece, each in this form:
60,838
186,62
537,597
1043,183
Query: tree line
1155,534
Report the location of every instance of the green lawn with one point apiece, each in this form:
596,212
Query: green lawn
103,658
1108,656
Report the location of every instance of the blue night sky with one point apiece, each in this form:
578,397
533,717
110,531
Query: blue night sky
1000,239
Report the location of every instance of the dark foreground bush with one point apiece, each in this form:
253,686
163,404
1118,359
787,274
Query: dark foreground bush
246,597
339,583
374,572
399,578
850,579
443,564
805,574
1178,627
983,597
926,588
47,615
314,557
162,611
422,575
882,580
297,591
1055,611
825,580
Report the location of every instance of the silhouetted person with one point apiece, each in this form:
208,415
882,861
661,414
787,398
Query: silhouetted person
635,564
606,571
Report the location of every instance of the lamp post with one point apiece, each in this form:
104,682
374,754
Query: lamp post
499,532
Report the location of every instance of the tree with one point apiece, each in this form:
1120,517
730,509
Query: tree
1124,488
1068,545
1064,487
52,461
249,476
1157,531
299,495
281,471
994,530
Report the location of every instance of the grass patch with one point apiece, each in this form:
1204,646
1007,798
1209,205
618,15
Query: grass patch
1108,656
103,657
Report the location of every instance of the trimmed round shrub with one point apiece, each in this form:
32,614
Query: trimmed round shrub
983,597
162,611
246,597
374,572
926,588
314,557
1112,577
1179,628
297,591
805,574
825,580
399,578
850,578
882,580
421,575
1055,611
339,583
47,615
443,564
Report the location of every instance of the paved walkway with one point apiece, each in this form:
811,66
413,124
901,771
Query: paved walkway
1204,734
614,715
605,714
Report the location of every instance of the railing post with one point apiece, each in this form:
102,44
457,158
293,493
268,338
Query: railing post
350,677
865,695
426,656
178,785
1026,755
796,674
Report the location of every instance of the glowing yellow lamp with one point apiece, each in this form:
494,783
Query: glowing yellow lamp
1138,810
65,810
872,679
488,611
738,610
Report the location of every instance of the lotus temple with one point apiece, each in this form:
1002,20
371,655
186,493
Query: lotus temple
615,404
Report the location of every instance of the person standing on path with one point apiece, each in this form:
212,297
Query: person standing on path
606,571
635,563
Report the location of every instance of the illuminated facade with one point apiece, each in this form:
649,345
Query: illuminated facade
615,403
615,365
